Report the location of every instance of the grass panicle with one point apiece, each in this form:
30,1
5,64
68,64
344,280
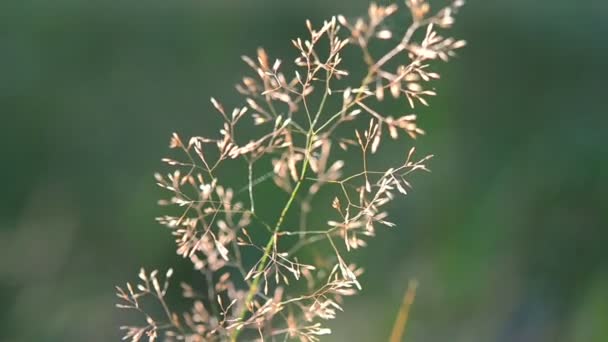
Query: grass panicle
304,115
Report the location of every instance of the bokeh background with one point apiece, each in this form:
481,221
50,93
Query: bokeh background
507,237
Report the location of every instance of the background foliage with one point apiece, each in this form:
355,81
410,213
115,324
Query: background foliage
506,236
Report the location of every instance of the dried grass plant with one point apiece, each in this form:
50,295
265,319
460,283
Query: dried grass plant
302,124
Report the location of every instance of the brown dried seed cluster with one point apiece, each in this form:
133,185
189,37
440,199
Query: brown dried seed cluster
299,122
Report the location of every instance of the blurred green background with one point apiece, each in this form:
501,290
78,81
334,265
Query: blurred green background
507,237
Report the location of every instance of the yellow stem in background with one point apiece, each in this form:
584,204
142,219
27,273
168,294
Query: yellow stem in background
402,316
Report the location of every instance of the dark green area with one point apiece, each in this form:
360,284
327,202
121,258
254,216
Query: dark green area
507,236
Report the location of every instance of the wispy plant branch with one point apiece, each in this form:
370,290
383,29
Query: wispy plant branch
298,122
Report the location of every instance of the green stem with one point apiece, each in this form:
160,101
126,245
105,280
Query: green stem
253,289
358,98
251,187
322,104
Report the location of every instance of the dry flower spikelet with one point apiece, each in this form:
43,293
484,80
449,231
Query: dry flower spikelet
300,120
